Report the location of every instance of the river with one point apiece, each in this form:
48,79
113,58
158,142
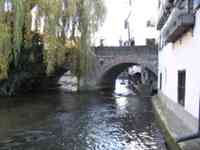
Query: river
58,120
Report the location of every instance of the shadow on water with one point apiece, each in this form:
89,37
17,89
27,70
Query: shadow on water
86,121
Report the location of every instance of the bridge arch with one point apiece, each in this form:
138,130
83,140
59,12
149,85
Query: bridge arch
107,80
109,76
106,63
111,61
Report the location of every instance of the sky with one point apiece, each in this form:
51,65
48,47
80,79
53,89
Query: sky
117,11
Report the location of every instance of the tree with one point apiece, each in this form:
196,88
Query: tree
69,25
26,53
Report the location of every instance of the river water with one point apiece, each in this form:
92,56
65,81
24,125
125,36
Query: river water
58,120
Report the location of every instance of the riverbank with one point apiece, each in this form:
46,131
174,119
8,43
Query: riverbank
175,123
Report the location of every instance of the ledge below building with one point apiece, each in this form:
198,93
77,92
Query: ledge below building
173,125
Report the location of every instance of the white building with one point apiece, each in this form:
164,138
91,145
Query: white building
35,24
179,53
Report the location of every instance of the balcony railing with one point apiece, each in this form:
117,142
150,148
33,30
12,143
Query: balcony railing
164,13
177,24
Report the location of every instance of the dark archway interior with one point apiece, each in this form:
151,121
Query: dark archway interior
136,78
108,79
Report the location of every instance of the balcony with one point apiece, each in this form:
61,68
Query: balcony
164,13
162,19
177,24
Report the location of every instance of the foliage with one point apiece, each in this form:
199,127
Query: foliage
68,27
5,42
18,25
54,53
5,46
78,19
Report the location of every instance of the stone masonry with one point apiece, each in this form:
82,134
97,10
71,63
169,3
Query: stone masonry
109,62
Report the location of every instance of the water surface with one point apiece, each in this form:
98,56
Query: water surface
58,120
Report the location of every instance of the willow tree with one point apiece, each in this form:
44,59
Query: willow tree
91,16
68,26
5,47
14,22
5,40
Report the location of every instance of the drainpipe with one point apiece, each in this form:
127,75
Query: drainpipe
192,136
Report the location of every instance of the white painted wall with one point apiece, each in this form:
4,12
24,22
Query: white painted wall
183,54
34,13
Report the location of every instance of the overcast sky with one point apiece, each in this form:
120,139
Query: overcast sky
117,12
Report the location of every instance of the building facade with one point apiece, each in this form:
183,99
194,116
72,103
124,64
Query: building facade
179,53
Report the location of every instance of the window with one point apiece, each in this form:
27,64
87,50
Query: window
181,87
160,81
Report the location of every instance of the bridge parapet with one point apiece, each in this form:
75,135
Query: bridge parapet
113,51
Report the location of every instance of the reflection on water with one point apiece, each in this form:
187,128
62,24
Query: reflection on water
121,88
69,82
121,102
90,121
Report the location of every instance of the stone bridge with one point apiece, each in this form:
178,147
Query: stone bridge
109,62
